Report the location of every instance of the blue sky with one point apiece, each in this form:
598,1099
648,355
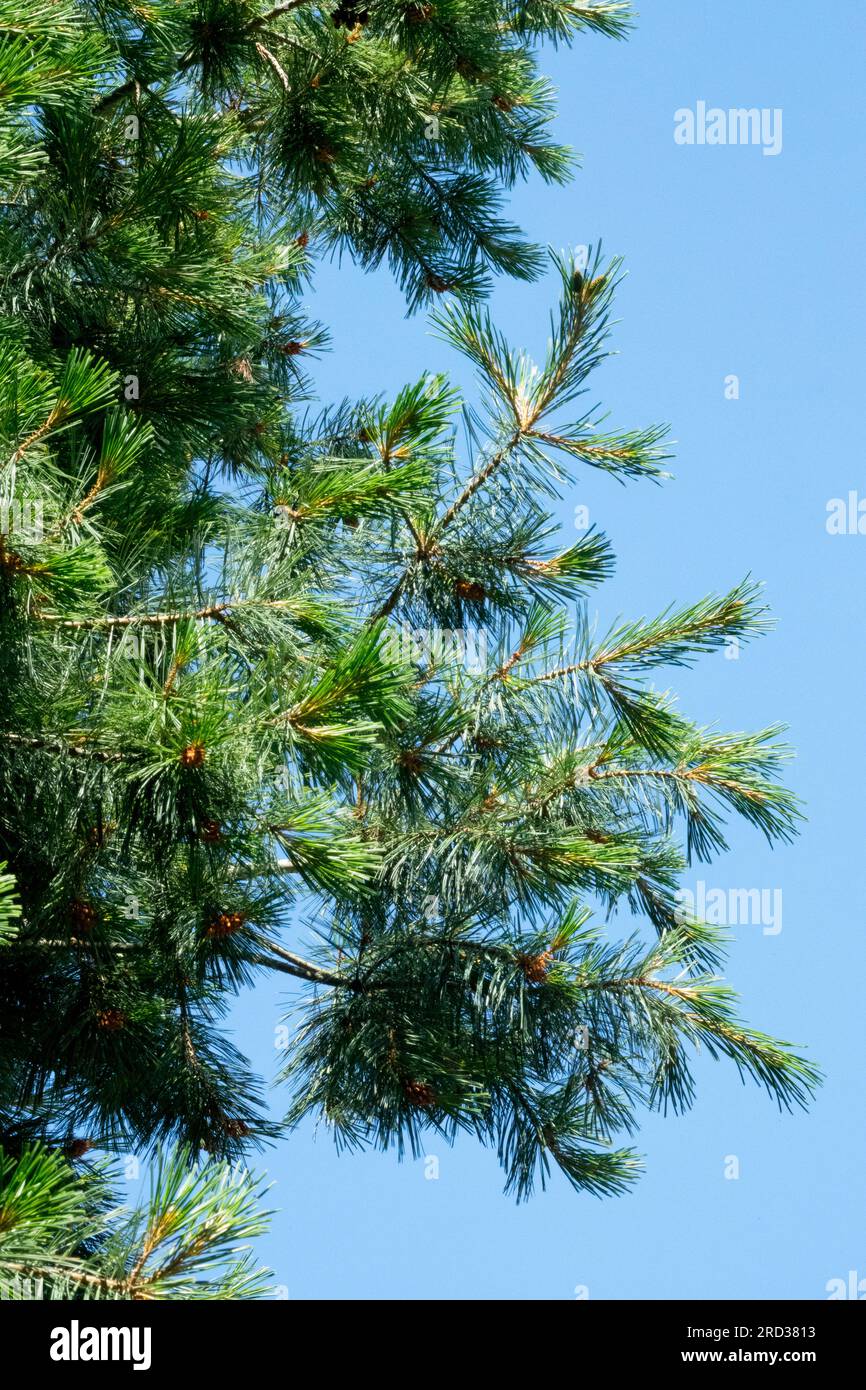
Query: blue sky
739,263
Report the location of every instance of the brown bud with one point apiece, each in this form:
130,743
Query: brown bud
535,968
111,1020
225,924
77,1148
470,590
193,755
11,562
84,916
419,1094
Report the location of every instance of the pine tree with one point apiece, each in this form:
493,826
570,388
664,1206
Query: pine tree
262,665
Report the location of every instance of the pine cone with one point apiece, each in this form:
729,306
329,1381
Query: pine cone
111,1020
77,1148
535,968
470,590
225,923
84,916
10,561
193,755
235,1129
419,1094
210,832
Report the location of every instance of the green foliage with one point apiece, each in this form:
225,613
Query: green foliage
9,909
260,664
62,1237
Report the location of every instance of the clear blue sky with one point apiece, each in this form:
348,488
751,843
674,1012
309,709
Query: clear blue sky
739,263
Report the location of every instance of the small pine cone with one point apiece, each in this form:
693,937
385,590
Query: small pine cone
225,924
235,1129
503,103
77,1148
324,155
10,561
410,760
419,1094
292,349
535,968
419,14
202,215
193,755
111,1020
210,832
470,590
302,240
437,284
588,289
84,916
